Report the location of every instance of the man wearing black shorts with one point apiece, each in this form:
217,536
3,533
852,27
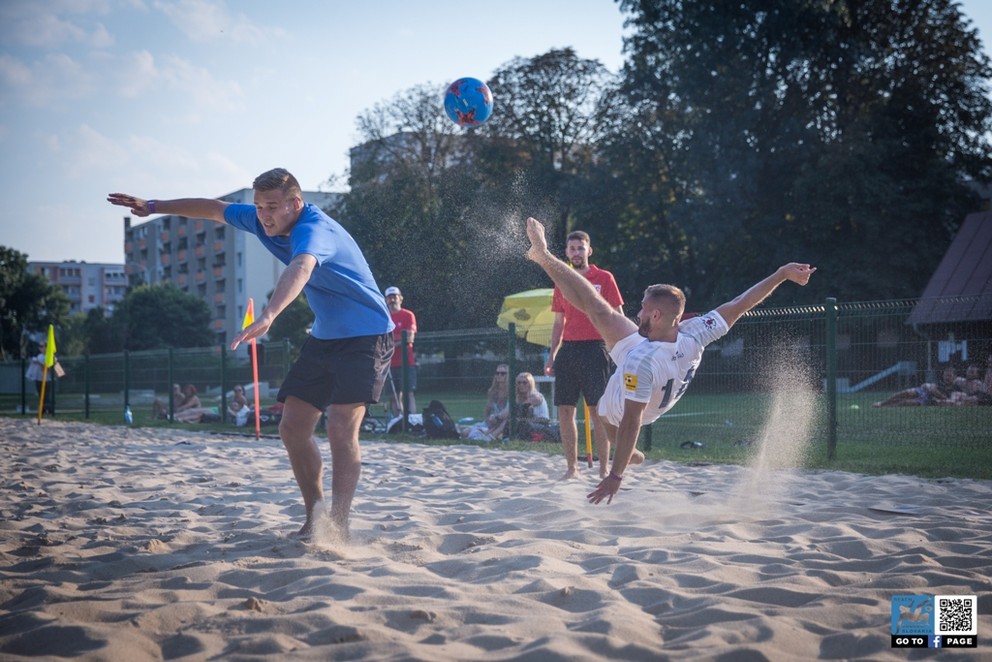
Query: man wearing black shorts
578,358
343,364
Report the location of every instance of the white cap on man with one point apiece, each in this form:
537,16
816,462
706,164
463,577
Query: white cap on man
393,290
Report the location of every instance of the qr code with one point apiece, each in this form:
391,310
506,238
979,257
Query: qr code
956,614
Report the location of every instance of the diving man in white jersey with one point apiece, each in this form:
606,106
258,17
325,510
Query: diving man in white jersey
656,358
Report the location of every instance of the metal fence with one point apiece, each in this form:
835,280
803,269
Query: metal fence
814,372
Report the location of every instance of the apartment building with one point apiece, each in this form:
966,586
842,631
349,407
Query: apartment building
217,263
88,285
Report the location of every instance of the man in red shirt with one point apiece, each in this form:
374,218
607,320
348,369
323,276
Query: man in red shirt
578,358
404,320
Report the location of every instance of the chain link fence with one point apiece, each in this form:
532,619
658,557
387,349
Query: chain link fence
770,375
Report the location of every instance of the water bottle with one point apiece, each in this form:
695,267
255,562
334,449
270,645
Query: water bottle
128,416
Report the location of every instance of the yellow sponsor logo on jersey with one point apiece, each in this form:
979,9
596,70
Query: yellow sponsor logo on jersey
629,381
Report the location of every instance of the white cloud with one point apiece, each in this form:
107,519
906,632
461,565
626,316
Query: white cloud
56,77
211,20
86,152
53,25
196,84
136,73
13,72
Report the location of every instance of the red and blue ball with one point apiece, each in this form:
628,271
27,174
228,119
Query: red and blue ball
468,102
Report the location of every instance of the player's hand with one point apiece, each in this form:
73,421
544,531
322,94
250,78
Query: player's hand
138,206
798,273
607,489
259,328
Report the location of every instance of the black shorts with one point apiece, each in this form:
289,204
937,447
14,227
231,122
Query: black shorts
339,372
581,366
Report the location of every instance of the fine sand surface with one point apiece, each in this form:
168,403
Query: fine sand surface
142,544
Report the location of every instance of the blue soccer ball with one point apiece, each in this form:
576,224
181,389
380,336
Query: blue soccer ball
468,102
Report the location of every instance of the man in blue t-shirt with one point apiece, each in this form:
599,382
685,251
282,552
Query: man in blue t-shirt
343,364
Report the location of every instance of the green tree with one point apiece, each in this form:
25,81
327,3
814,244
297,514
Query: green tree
72,337
161,316
545,134
838,133
28,303
416,209
103,335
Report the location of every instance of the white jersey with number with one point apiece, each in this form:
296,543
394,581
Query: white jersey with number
658,372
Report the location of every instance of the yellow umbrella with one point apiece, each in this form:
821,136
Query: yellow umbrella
531,312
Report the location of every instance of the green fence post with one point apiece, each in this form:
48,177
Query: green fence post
647,437
831,344
405,380
511,378
172,380
127,384
24,386
86,386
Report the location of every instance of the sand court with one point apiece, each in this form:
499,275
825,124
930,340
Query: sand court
147,544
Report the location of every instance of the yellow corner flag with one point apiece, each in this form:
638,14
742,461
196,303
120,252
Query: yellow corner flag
49,362
50,349
249,320
249,314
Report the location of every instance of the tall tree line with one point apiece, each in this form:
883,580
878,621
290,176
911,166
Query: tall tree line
739,135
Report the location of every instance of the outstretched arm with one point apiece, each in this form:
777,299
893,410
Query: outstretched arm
288,287
627,433
207,208
794,271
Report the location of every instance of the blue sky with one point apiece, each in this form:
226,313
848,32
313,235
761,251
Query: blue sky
193,98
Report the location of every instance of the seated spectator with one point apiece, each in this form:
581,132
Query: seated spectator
239,402
530,403
924,394
160,410
497,412
533,419
970,390
191,411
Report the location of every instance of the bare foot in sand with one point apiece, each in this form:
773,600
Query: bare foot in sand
570,474
306,531
637,457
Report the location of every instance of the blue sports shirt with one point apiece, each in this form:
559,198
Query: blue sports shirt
342,292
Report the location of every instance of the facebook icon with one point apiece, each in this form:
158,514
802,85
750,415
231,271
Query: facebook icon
935,641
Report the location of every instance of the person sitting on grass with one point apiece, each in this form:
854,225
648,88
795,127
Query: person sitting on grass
497,411
159,409
970,389
533,419
191,410
238,409
923,395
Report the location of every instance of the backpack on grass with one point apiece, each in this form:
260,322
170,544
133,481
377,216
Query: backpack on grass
438,423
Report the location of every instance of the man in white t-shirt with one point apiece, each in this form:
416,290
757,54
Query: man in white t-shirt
657,357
